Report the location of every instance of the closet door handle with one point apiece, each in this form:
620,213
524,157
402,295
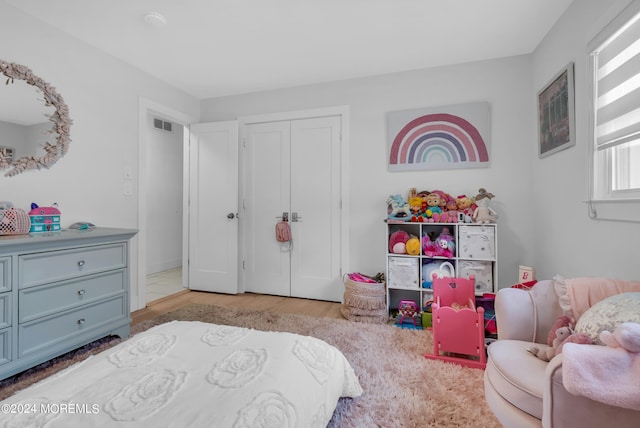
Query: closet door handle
295,217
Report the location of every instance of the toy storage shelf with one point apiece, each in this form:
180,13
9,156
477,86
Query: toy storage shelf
476,253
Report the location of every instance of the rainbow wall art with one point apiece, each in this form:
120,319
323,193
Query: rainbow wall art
439,138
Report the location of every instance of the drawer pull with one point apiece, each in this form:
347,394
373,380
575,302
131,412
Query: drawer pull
81,292
81,263
81,321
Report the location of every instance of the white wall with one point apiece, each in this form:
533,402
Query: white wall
103,96
567,241
504,83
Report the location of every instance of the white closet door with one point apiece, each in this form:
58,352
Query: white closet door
315,197
266,196
293,167
213,196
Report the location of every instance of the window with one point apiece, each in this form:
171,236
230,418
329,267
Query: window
615,73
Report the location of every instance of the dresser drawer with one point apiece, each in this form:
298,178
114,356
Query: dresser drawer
5,310
5,346
43,333
5,274
36,302
41,268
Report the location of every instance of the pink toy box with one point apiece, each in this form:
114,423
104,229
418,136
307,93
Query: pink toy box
44,219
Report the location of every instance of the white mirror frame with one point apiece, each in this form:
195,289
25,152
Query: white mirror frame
60,119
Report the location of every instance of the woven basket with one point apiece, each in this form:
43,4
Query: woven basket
14,221
372,317
365,302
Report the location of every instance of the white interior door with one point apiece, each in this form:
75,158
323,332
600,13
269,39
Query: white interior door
315,201
293,167
267,159
213,207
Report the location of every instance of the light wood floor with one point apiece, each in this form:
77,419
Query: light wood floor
257,302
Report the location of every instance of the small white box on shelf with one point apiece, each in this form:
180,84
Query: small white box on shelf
481,270
403,272
526,274
477,242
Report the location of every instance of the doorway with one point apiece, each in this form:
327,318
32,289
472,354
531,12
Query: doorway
164,201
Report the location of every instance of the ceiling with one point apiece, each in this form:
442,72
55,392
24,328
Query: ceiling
213,48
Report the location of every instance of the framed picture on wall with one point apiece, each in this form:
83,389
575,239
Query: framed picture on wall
556,117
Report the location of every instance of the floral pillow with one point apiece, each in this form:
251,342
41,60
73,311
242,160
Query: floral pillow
607,314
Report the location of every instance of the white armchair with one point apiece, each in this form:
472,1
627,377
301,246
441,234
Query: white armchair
524,391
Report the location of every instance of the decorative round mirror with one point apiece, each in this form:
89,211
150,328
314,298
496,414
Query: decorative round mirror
31,113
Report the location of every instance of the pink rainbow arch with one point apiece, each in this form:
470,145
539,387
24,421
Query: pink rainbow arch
442,132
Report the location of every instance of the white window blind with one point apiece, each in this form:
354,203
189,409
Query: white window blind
615,118
617,63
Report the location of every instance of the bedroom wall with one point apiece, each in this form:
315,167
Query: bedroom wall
103,96
504,83
567,241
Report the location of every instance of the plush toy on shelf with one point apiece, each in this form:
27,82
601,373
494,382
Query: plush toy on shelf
483,214
466,206
398,208
398,242
412,246
417,213
451,214
428,244
445,244
433,207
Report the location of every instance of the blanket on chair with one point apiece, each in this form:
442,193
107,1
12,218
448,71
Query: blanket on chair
576,295
601,373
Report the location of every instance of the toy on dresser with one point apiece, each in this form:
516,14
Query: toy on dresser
44,219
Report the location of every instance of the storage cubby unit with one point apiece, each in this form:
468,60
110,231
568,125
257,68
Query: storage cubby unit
474,252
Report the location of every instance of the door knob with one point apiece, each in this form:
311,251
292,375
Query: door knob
231,216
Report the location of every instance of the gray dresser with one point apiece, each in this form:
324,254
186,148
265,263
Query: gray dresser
59,291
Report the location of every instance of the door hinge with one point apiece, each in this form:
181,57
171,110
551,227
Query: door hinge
243,265
244,143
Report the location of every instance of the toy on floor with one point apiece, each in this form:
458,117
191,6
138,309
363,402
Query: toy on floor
407,309
458,326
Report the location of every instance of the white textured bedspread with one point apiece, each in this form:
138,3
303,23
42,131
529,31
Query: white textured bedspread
193,374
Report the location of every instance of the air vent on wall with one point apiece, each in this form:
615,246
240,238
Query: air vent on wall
162,125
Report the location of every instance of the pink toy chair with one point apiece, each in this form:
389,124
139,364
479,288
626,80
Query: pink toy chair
458,326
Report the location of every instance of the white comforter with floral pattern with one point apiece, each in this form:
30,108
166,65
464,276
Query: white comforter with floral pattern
193,374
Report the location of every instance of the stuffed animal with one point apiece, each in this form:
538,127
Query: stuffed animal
560,333
445,244
412,246
433,207
397,207
483,213
626,336
398,241
417,214
466,206
452,211
546,354
428,244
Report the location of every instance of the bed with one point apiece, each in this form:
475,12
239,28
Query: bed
193,374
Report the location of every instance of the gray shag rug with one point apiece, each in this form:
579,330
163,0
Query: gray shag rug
401,387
